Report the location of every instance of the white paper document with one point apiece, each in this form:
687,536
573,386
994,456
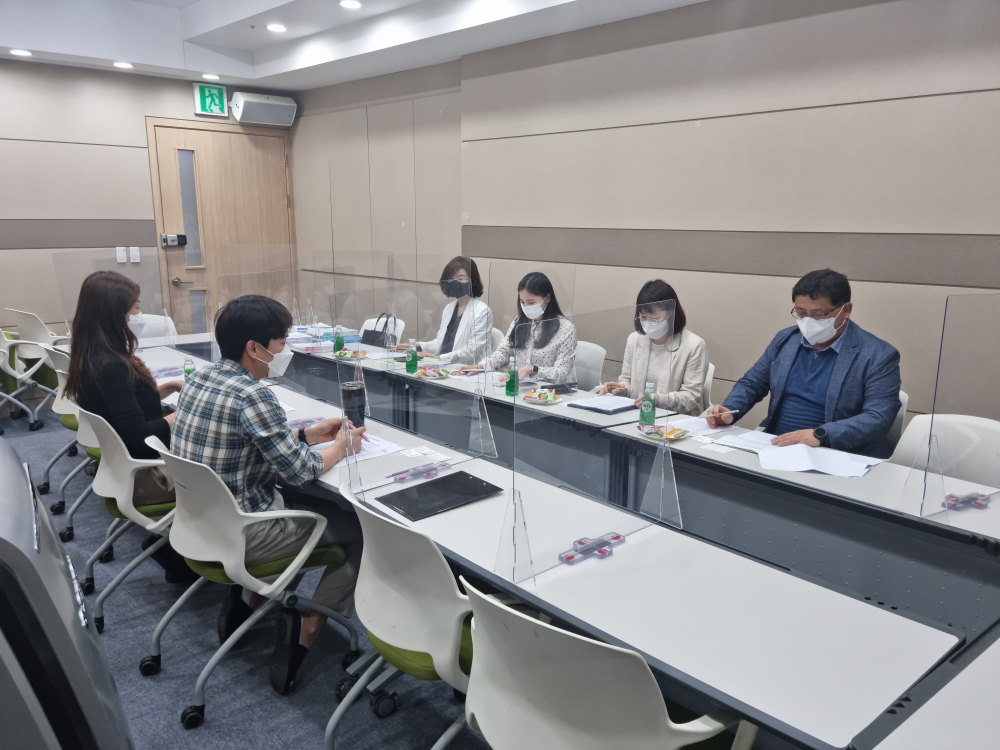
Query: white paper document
716,448
423,450
286,407
805,458
374,447
752,441
606,404
697,426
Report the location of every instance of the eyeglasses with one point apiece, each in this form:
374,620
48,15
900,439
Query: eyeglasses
650,319
817,315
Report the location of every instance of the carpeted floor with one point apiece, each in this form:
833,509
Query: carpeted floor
242,712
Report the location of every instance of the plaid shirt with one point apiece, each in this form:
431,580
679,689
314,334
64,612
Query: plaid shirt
235,425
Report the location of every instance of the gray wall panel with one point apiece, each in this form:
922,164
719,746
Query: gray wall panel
27,234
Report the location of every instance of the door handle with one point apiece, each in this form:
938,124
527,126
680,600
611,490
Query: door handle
176,281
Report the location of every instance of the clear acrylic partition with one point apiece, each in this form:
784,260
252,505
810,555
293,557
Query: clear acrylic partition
954,477
501,288
554,514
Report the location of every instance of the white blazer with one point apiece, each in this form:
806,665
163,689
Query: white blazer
472,337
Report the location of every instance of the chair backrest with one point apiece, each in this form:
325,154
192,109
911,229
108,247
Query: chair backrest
31,328
967,446
116,472
706,393
589,364
59,361
535,686
158,326
406,593
496,336
369,325
896,431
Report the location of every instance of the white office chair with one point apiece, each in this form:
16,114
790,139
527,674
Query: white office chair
115,482
23,376
706,393
157,326
496,337
896,431
369,325
415,613
30,328
66,409
528,689
968,446
209,530
589,364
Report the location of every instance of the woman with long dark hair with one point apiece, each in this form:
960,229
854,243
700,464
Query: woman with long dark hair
540,339
664,352
107,379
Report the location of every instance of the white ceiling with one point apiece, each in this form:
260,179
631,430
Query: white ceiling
323,44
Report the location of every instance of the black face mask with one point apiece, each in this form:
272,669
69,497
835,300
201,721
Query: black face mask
456,289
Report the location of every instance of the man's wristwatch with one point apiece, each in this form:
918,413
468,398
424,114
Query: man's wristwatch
302,435
822,435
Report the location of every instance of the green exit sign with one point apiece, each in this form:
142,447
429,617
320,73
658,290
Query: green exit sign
210,100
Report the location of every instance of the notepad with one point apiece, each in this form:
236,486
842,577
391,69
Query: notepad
806,458
606,404
697,426
754,442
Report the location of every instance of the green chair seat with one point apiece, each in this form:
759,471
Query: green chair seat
150,511
70,422
331,556
419,664
94,453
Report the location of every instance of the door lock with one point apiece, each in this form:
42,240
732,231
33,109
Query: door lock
176,281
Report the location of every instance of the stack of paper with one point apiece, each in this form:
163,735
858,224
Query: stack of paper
753,441
374,447
697,426
423,450
606,404
804,458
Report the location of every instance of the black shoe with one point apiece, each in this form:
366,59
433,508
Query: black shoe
184,575
234,612
288,652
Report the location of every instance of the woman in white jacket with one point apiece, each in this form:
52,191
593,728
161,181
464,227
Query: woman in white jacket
466,323
664,352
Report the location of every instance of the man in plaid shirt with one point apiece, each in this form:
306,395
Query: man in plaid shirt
229,421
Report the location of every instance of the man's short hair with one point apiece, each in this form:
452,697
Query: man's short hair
250,318
825,283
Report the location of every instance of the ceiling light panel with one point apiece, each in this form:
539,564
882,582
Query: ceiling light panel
20,52
276,27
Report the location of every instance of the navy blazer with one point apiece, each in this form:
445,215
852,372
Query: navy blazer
861,402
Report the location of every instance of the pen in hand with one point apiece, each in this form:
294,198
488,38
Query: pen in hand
722,413
350,425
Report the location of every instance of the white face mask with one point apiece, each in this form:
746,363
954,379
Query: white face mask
137,322
820,331
277,366
655,329
533,312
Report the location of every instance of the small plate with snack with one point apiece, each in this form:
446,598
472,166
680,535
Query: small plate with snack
432,373
542,397
350,354
662,432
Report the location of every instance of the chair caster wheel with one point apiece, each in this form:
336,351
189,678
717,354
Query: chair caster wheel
349,658
459,695
383,704
90,471
73,452
88,586
43,488
57,508
35,426
66,534
19,414
344,687
99,622
149,666
193,716
108,555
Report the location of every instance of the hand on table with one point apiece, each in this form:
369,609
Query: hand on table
404,347
718,416
349,441
803,437
325,431
656,397
467,370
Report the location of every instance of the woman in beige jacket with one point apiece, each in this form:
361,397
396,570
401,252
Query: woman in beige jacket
664,352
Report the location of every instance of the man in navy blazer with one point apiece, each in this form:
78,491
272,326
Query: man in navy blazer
831,382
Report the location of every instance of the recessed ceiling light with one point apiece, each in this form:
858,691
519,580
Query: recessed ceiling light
275,27
20,52
210,76
123,65
352,4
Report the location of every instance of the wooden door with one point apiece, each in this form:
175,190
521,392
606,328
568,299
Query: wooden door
228,192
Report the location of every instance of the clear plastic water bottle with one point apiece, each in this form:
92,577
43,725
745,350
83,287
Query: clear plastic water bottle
512,384
411,357
338,339
188,367
647,409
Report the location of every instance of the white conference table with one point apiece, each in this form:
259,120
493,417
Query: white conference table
820,662
957,717
882,486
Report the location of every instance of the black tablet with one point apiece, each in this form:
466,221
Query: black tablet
420,501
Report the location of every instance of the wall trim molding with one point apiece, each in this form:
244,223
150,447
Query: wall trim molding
965,260
37,234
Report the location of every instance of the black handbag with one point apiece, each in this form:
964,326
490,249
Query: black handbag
381,339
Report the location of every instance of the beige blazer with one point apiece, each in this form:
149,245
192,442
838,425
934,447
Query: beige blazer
680,389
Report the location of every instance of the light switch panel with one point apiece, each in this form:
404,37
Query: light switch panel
134,252
121,254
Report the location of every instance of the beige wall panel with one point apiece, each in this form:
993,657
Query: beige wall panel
393,211
437,151
501,280
346,135
310,164
916,165
728,57
72,181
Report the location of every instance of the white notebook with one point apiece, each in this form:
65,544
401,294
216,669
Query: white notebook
606,404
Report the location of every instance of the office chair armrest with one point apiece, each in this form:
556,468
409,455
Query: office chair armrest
708,725
54,339
5,365
282,581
